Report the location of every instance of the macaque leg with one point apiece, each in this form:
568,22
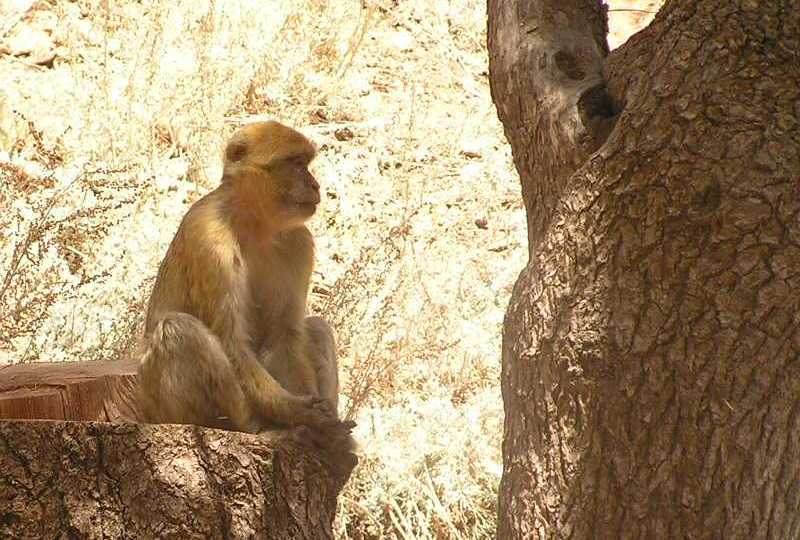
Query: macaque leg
322,352
185,377
318,354
305,362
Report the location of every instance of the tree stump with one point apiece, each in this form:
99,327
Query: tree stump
74,465
93,391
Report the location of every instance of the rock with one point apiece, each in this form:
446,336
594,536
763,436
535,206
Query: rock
24,40
33,44
343,134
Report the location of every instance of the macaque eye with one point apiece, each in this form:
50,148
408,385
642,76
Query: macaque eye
298,162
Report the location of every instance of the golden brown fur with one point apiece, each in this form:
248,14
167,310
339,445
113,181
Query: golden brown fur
226,332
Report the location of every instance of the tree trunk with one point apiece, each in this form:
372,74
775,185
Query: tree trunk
651,348
61,479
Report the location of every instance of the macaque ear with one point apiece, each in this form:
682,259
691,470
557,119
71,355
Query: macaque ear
235,151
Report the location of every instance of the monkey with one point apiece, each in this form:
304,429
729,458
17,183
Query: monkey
227,340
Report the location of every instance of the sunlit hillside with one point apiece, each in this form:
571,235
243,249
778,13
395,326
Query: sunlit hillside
112,117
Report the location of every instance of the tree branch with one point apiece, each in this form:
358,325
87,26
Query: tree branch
545,62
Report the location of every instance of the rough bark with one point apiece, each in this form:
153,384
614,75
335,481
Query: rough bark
651,349
101,480
104,480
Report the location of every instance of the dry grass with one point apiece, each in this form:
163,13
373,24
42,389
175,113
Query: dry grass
420,238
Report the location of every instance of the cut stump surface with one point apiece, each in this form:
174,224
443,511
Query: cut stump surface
92,391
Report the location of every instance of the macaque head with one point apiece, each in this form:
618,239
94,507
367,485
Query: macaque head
267,164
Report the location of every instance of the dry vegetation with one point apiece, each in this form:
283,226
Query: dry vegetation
111,120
